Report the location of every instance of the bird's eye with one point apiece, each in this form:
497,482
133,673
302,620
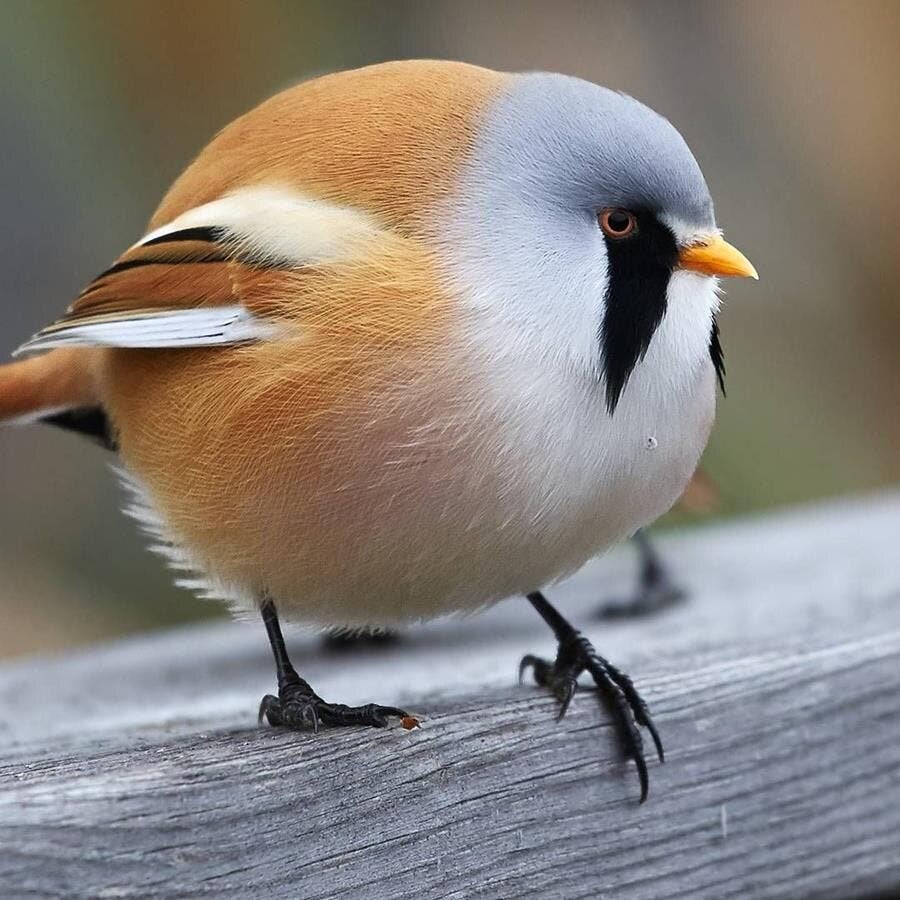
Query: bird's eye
617,223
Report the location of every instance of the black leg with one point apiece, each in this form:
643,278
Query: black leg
298,705
575,655
656,590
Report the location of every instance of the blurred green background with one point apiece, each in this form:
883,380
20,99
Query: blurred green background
791,108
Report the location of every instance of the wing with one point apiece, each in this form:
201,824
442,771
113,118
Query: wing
208,277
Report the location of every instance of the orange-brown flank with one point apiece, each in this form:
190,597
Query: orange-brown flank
255,454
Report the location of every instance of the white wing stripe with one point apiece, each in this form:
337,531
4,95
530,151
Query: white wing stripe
203,327
279,224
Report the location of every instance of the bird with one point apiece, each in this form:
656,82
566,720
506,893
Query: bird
403,341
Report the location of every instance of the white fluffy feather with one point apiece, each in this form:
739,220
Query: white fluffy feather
278,223
191,575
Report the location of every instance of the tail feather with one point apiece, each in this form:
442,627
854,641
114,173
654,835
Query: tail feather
34,389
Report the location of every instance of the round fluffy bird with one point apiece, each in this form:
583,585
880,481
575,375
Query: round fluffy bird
402,341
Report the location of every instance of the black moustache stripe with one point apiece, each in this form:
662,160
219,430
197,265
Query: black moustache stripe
639,270
717,354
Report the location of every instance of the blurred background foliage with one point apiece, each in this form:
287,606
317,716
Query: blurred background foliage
791,108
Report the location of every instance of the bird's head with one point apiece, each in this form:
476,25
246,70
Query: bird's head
583,222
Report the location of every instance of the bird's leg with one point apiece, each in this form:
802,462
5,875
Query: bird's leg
656,590
297,704
576,654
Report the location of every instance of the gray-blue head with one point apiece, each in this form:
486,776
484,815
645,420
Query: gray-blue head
588,214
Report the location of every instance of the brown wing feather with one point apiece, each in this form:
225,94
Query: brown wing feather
274,260
161,279
175,274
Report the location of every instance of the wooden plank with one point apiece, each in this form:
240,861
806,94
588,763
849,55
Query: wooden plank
136,768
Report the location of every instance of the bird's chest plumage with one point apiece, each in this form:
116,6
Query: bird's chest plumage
461,496
431,487
575,479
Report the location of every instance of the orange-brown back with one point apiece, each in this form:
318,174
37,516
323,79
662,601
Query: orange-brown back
388,138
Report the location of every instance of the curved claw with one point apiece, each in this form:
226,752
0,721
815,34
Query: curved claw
543,670
564,692
269,710
529,661
377,716
637,703
575,655
634,743
310,716
657,741
643,777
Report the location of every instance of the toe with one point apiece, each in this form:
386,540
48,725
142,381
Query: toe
309,717
394,713
270,710
564,690
644,779
377,716
657,741
541,669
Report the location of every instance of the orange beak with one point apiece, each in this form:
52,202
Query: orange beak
715,256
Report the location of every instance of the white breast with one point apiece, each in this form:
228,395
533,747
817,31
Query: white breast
575,478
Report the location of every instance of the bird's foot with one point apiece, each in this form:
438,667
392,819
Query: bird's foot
299,706
576,654
653,596
656,589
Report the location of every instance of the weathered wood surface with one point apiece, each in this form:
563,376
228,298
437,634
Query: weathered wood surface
137,769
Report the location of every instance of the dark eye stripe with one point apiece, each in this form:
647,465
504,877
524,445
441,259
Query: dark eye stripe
639,272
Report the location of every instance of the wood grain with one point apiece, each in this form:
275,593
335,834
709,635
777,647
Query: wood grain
136,768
